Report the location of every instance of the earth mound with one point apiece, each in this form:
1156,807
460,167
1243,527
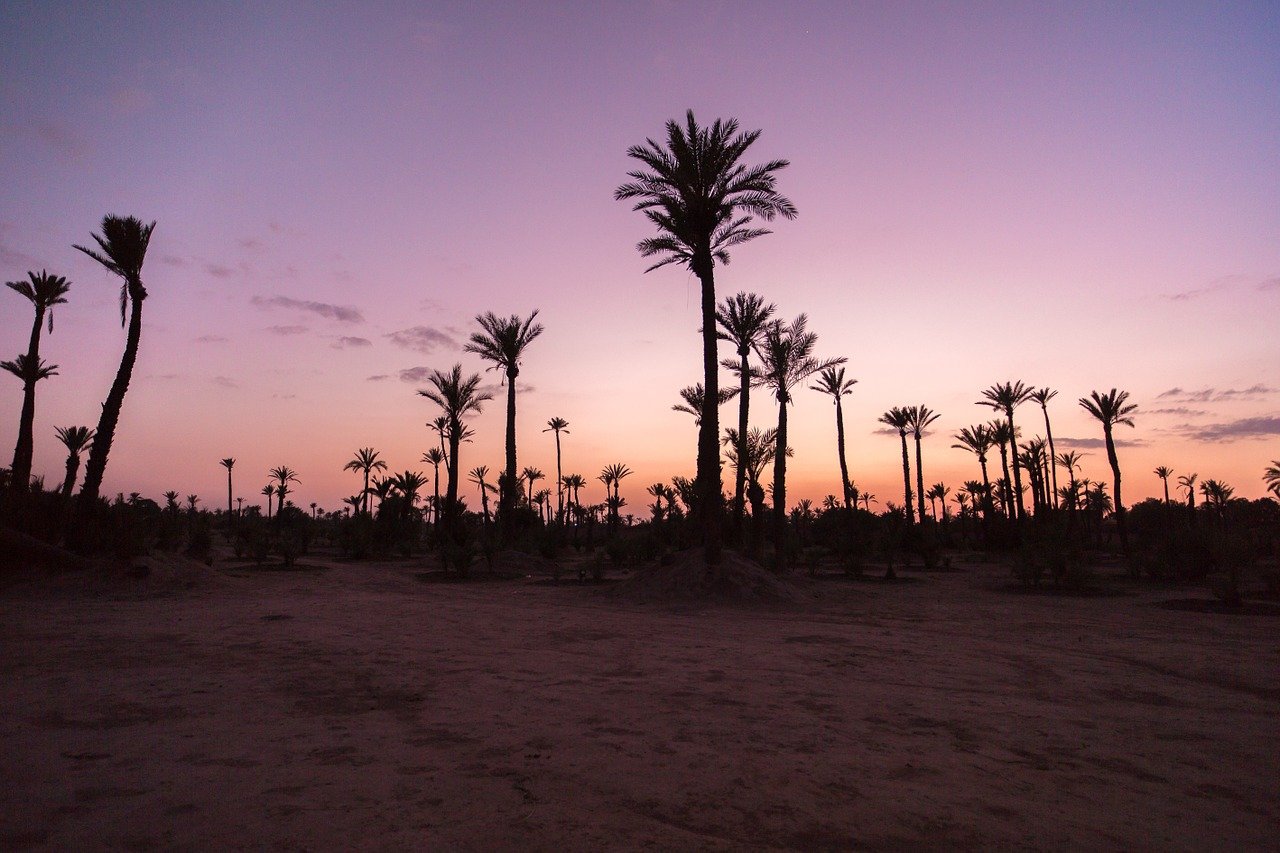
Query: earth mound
685,576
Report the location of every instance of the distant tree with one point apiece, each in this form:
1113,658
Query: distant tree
123,249
43,291
1005,397
612,475
228,463
742,319
458,397
171,502
192,500
76,439
1003,437
1112,409
365,461
701,199
558,425
531,475
434,457
919,419
572,483
478,475
695,402
283,475
900,419
1043,396
1188,482
977,439
831,381
1164,473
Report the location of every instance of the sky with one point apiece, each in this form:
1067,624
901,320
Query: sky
1080,196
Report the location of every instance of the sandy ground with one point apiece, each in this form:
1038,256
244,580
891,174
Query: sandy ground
357,707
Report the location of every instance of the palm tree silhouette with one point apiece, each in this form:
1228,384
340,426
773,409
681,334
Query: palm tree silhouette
441,426
918,420
1003,437
43,291
478,475
694,397
1188,482
1005,397
900,419
228,463
30,370
741,319
1272,477
1111,409
1217,494
701,199
123,246
613,475
977,439
558,425
1043,396
75,439
786,358
831,381
267,490
283,475
531,475
366,461
171,502
503,342
434,457
573,482
1164,473
458,398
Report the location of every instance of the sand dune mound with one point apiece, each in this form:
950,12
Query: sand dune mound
684,577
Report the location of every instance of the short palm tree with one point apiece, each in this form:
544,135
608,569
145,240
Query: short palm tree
43,291
478,475
1112,409
268,491
612,475
76,439
1164,473
694,397
831,381
900,419
408,484
365,461
283,475
458,397
502,342
122,248
558,425
742,319
30,371
1217,494
977,439
786,359
1005,397
1043,396
918,420
531,475
572,483
229,463
1188,482
701,198
434,457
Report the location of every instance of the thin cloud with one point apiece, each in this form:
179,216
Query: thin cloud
173,260
351,342
1258,427
1181,411
288,330
379,377
251,243
340,313
1270,284
423,339
1218,285
211,339
498,390
1213,395
225,382
415,375
1095,443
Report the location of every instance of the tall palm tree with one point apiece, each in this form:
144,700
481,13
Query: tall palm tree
1272,477
458,397
75,439
831,381
478,475
977,439
123,248
503,341
268,490
229,463
1005,397
1043,396
531,475
694,397
1188,482
741,319
786,358
43,291
30,371
701,198
365,461
558,425
918,420
1164,473
1112,409
434,457
900,419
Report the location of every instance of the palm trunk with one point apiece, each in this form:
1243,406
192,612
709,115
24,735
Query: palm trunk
451,488
920,481
230,500
97,464
1004,466
987,508
906,479
73,468
20,476
1119,504
1166,490
780,491
510,497
559,484
709,430
1019,510
1053,456
740,478
844,467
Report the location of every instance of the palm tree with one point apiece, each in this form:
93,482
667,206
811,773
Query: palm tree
918,420
742,319
1272,477
831,381
558,425
30,370
408,484
366,460
938,491
354,503
458,398
1005,397
123,246
573,482
1188,482
284,475
192,500
434,457
657,491
531,475
228,463
701,198
43,291
613,475
786,358
267,490
75,439
900,419
478,475
694,397
1112,409
503,342
1043,396
1164,473
1003,437
441,426
1216,494
977,439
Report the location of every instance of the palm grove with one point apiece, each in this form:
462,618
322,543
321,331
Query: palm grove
702,198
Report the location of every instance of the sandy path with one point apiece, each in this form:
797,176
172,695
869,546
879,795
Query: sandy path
358,707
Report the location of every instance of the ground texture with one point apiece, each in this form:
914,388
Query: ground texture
358,706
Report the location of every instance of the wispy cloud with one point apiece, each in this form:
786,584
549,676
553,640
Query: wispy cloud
1270,284
211,339
498,390
288,330
1213,395
1218,285
225,382
10,256
379,377
1181,411
416,375
340,313
423,339
219,270
1094,443
351,343
1256,427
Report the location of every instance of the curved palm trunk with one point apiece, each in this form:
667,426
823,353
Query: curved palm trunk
1053,456
97,464
73,468
1020,511
709,429
906,480
740,477
1121,527
920,482
20,470
844,467
987,508
780,492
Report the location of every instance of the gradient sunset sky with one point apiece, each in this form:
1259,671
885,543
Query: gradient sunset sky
1083,196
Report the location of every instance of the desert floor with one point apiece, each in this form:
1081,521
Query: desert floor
356,706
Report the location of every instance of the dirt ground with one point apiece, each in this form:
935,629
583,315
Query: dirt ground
355,706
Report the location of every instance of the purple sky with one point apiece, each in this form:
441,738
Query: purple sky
1079,196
